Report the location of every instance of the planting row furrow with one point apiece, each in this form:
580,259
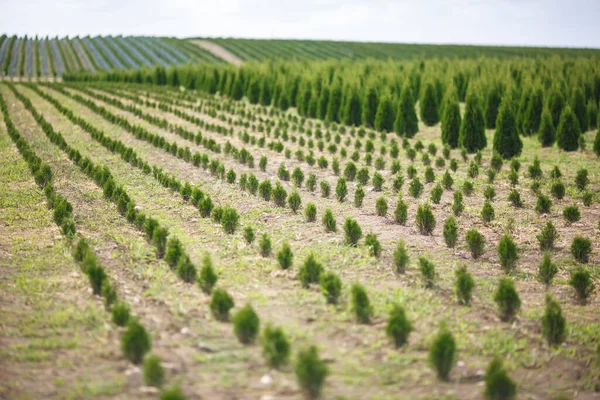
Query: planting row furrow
56,58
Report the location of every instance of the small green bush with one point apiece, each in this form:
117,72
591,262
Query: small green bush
294,201
159,240
154,373
508,254
174,252
352,232
554,325
447,180
581,179
96,276
398,327
329,221
220,304
135,342
468,188
265,189
513,177
217,214
372,243
425,219
401,258
246,324
279,195
401,212
498,385
547,236
173,393
360,304
108,293
377,182
429,175
442,353
427,271
464,285
381,206
276,346
331,287
458,205
208,277
186,270
558,190
230,220
359,195
436,194
205,206
285,256
475,242
581,281
587,197
310,271
581,248
341,190
310,372
310,212
415,188
120,313
507,299
265,245
81,250
571,214
543,204
450,232
515,198
487,212
249,234
311,182
547,269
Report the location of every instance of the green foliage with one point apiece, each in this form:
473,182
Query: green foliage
186,270
581,248
135,342
425,219
447,180
360,304
487,212
507,299
372,243
475,242
547,236
429,106
398,326
329,221
310,372
427,271
547,132
558,189
331,287
498,385
173,393
547,269
246,324
120,313
208,277
415,188
276,346
249,234
285,256
279,195
81,250
325,189
571,214
174,252
472,129
294,201
377,182
229,220
401,258
359,195
442,353
96,276
341,190
515,198
457,205
352,232
220,304
436,194
310,271
265,245
508,254
507,142
153,372
406,123
581,281
381,206
568,131
543,204
554,325
463,285
581,179
310,212
450,231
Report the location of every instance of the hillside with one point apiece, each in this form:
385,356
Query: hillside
33,57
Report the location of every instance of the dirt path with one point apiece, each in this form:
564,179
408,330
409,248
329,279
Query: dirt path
218,51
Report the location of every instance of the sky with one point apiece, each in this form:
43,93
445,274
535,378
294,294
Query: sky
556,23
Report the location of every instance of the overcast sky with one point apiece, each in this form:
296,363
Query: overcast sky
565,23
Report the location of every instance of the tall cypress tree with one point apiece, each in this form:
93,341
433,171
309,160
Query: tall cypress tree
335,104
406,123
507,142
547,133
284,99
472,129
580,109
237,90
556,104
523,106
492,104
592,111
370,107
353,108
384,118
567,134
312,106
254,90
265,92
304,95
533,114
323,102
451,120
429,106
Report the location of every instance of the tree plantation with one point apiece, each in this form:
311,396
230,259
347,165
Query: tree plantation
389,224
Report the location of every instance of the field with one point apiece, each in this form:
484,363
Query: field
343,202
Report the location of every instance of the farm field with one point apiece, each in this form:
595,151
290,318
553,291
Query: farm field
228,218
